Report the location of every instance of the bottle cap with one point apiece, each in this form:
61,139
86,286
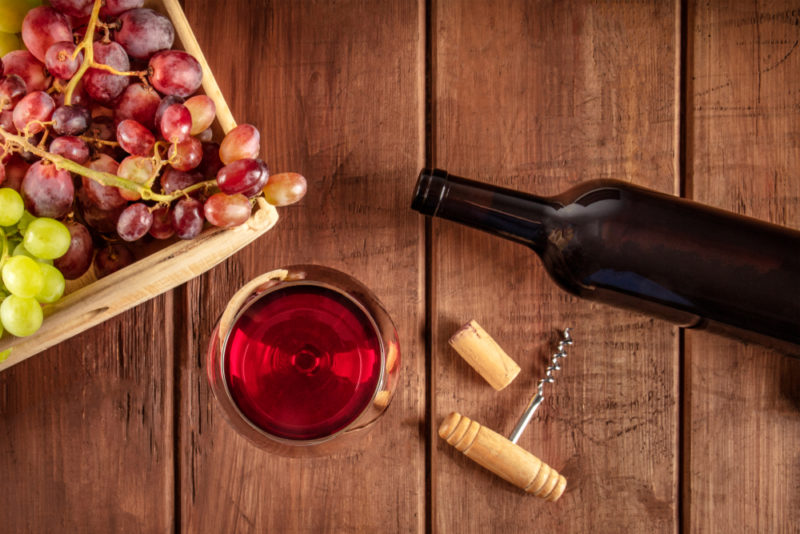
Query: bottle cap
484,355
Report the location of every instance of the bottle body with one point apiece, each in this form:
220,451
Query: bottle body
616,243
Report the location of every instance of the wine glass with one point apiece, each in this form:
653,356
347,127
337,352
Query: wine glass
303,359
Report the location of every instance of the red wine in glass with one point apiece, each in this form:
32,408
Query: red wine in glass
301,357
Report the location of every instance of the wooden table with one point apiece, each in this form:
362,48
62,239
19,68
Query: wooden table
656,429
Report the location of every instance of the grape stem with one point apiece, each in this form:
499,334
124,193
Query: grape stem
103,178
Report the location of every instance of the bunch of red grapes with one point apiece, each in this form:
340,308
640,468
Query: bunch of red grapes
102,132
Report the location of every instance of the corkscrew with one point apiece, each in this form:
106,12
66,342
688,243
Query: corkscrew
503,456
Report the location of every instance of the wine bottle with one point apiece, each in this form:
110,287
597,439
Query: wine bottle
669,257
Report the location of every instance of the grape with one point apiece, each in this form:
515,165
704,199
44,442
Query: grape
134,138
105,197
111,259
16,167
71,120
59,61
138,102
70,147
102,128
227,211
137,169
205,136
243,142
22,276
46,238
162,224
26,219
174,180
73,8
79,97
26,66
187,218
143,32
11,207
20,250
8,43
33,109
166,102
176,123
47,190
78,257
102,220
203,110
21,316
42,27
7,121
285,188
174,72
2,174
134,222
210,164
186,155
11,14
53,287
112,8
245,176
102,85
12,89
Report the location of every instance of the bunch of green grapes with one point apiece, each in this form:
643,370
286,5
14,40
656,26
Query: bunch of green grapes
28,246
11,14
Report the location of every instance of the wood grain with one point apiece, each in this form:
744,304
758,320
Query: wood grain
336,88
742,402
537,96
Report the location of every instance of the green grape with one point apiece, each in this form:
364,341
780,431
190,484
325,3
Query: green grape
11,207
21,316
53,287
22,276
26,219
20,250
47,238
8,43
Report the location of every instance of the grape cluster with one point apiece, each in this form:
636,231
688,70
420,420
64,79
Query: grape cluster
105,142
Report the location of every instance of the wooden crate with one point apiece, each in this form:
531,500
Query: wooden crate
89,301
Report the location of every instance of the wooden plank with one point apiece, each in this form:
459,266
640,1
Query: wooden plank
538,96
336,90
741,400
86,440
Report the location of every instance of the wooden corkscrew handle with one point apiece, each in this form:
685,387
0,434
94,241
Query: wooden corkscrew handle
497,454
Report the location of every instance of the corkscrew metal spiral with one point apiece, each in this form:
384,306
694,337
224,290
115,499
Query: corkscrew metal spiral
536,401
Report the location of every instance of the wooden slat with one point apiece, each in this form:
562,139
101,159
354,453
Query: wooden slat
538,96
336,90
742,428
86,440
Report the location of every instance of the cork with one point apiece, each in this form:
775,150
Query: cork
484,355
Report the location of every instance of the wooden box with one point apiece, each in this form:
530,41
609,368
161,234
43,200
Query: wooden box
89,301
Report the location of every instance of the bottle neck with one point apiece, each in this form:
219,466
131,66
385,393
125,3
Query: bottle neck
510,214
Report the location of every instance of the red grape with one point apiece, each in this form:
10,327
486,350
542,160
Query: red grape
174,72
138,102
112,8
79,97
143,32
227,211
203,111
7,121
134,222
33,109
26,66
102,128
73,8
16,167
42,27
12,89
102,85
137,169
78,257
210,164
103,221
186,155
245,176
285,188
242,142
105,197
174,180
162,224
187,218
70,147
134,138
111,259
47,190
206,136
59,60
176,123
70,120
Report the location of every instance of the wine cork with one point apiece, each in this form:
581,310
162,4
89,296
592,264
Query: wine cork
484,355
